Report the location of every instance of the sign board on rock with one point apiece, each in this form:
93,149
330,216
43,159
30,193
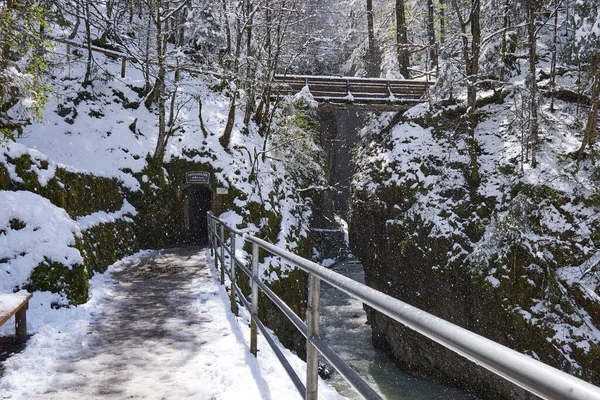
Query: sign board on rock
222,190
197,177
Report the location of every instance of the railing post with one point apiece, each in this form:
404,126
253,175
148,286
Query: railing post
234,308
123,63
222,254
210,233
254,300
312,321
216,243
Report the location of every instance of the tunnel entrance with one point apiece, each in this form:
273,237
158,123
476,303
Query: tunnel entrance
197,202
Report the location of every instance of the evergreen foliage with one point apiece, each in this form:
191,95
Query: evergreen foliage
23,65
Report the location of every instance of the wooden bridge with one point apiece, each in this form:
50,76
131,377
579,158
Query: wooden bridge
349,92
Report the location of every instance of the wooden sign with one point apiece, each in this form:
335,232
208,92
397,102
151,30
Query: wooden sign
197,177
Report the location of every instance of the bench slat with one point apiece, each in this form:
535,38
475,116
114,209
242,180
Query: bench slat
10,303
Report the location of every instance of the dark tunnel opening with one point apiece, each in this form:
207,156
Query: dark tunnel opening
198,201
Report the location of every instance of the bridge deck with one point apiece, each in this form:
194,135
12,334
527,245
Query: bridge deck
345,92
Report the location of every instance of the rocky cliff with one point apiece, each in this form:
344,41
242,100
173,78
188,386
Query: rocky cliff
513,257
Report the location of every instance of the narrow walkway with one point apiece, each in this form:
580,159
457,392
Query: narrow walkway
163,333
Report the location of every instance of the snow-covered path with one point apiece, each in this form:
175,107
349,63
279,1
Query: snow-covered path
162,332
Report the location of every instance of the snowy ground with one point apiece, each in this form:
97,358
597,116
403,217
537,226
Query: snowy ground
157,326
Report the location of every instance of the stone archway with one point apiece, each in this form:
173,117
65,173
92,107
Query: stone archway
197,202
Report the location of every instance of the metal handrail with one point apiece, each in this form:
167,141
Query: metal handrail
532,375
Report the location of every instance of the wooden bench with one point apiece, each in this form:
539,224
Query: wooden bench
15,304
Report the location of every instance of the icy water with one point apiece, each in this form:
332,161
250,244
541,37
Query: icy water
343,326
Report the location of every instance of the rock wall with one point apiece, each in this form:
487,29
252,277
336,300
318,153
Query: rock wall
490,261
81,196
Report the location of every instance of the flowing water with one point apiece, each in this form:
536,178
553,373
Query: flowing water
344,327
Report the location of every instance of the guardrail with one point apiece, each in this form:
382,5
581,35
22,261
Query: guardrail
532,375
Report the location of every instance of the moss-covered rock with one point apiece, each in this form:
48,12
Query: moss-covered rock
79,195
104,244
4,178
499,266
55,277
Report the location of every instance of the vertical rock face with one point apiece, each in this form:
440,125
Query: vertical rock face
495,261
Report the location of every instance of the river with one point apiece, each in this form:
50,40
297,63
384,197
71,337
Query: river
344,327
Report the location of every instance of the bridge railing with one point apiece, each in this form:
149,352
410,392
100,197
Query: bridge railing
532,375
353,90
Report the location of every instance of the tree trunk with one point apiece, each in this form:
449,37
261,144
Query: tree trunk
472,61
431,35
172,107
442,15
224,140
264,100
6,48
533,101
503,41
402,39
372,66
77,22
108,30
159,88
227,29
590,133
146,69
553,60
249,78
88,37
474,178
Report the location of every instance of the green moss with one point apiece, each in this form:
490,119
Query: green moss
4,178
104,244
16,224
82,194
78,194
54,277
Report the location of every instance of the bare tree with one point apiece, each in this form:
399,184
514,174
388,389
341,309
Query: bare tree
591,127
372,64
554,51
533,89
402,39
470,51
431,34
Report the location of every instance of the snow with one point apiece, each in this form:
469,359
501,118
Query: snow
210,360
41,232
328,262
104,145
48,233
306,96
8,302
102,217
95,138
